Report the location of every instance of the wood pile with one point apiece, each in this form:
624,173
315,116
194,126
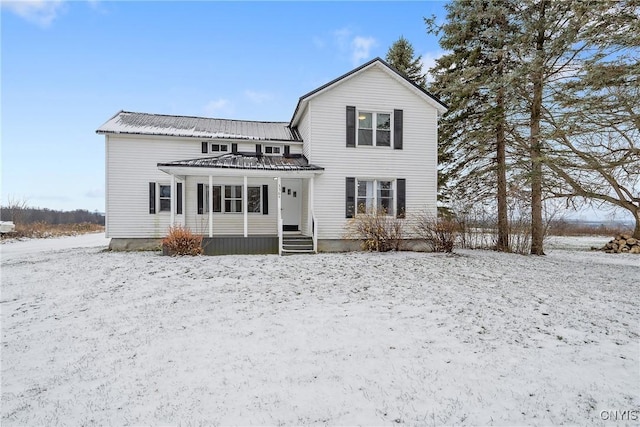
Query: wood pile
623,243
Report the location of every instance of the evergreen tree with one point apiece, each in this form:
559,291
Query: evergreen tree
401,57
474,81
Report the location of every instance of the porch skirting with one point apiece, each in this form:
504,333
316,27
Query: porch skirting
240,245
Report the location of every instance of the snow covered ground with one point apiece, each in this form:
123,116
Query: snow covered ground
91,337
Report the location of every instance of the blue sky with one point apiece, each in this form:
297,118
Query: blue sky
67,67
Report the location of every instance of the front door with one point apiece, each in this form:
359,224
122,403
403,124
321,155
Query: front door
291,204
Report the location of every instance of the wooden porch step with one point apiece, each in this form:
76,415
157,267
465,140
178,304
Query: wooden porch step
297,244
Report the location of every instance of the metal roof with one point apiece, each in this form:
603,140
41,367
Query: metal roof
248,161
126,122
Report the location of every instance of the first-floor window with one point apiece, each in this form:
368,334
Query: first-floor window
233,198
217,203
253,199
375,193
165,198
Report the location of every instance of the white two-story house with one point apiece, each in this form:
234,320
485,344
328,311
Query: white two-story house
367,138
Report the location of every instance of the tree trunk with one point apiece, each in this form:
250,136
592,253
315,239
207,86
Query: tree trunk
636,231
537,75
501,169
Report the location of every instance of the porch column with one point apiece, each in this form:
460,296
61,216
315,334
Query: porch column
183,217
314,220
245,204
173,200
210,206
279,216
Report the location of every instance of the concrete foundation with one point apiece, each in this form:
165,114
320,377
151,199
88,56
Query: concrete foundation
135,244
351,245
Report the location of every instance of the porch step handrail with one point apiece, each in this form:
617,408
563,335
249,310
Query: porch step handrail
314,232
280,235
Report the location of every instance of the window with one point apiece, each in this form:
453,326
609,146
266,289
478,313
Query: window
203,199
381,198
253,199
217,202
219,147
385,197
165,198
365,131
382,135
271,150
233,198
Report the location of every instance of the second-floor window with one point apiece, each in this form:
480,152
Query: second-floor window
219,147
374,129
270,149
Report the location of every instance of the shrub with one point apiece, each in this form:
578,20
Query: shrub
181,241
378,231
439,234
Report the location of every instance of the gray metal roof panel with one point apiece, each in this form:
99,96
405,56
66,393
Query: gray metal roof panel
248,161
126,122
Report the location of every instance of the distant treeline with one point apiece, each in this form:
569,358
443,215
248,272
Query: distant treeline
26,215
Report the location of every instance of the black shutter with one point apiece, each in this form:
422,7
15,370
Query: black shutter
265,200
258,149
152,197
200,198
401,189
397,129
350,197
351,126
234,148
205,146
179,198
287,150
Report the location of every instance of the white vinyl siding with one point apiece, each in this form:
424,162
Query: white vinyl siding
376,91
132,163
231,224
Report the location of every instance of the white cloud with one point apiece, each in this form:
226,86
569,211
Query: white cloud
216,106
361,47
257,97
358,47
428,61
341,38
39,12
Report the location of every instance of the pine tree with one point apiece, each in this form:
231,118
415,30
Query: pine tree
474,81
401,57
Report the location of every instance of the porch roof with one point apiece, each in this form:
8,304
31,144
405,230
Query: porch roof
244,162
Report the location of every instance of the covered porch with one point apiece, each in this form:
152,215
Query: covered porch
246,203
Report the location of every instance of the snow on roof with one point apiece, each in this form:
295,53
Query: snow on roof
246,161
126,122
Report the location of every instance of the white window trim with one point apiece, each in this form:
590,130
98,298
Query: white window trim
223,199
278,147
374,123
394,199
159,199
220,150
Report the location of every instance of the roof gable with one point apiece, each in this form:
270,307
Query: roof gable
376,62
